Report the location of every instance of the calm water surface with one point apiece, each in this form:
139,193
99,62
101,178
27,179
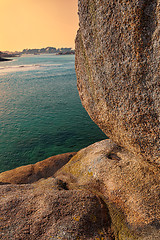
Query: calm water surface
40,111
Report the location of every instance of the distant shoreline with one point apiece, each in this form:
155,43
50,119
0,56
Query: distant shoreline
5,56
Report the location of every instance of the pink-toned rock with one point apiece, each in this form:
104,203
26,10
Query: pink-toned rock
33,172
118,71
129,185
39,211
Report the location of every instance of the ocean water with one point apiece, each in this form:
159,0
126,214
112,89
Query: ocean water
40,111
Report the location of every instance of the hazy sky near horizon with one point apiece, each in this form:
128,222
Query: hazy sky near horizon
37,24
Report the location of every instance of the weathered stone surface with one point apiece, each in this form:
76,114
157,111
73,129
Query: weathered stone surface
119,191
129,185
33,172
39,211
117,66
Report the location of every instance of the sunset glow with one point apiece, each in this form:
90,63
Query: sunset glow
37,24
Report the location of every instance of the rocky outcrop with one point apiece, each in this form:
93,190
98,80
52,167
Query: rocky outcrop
103,192
117,66
129,186
44,210
33,172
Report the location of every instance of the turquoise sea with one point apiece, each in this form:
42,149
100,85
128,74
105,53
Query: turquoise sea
40,111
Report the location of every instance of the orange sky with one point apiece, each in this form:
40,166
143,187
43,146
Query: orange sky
37,23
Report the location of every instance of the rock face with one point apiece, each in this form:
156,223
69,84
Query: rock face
33,172
117,66
44,210
129,186
103,192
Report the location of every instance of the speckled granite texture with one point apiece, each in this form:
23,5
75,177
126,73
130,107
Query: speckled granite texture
117,66
45,211
129,185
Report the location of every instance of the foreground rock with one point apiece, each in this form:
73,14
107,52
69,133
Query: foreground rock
43,210
103,192
33,172
129,186
117,66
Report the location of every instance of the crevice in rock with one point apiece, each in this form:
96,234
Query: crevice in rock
61,185
113,156
106,218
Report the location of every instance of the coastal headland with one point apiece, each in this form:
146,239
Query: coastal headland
38,51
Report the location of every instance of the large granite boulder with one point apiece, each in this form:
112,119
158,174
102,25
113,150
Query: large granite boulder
118,71
129,186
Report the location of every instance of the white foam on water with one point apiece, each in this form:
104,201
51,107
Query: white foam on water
18,68
22,68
